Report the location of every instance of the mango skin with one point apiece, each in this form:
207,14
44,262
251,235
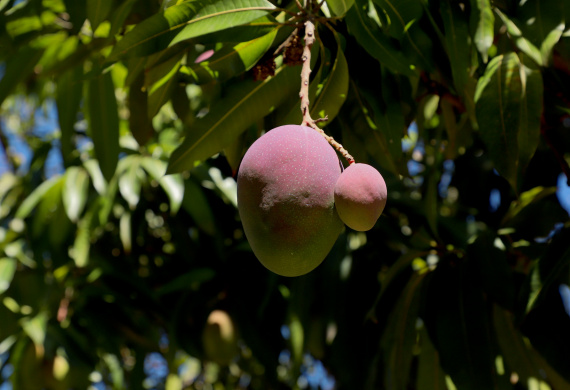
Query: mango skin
360,196
285,191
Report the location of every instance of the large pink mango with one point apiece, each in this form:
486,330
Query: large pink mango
286,199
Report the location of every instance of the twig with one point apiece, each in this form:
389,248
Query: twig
304,92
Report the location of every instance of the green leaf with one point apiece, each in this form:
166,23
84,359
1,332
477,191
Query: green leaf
82,243
549,42
97,11
243,105
103,119
399,338
340,7
334,89
125,231
457,43
162,90
498,100
196,204
7,271
187,20
130,179
430,200
522,43
509,107
430,374
140,125
173,185
68,99
230,61
35,197
18,67
485,26
400,13
374,41
458,325
75,192
119,16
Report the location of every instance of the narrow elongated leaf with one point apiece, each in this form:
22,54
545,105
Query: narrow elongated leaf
161,91
245,104
509,105
498,99
458,325
103,120
139,122
7,270
173,185
97,11
549,42
187,20
340,7
69,91
400,13
457,43
530,115
119,16
334,89
522,43
130,179
230,61
430,373
400,336
82,243
485,29
191,279
196,204
222,14
35,197
374,41
18,67
75,192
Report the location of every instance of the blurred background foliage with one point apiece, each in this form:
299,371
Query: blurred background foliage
115,275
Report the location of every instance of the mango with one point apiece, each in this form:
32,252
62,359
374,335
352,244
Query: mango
360,196
285,191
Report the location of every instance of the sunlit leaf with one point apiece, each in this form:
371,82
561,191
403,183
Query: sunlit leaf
230,61
35,197
522,43
484,20
243,105
75,192
187,20
400,13
340,7
125,232
7,270
130,179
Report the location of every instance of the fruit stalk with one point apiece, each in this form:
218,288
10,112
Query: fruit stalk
304,93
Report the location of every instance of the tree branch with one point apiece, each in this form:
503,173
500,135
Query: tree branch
304,92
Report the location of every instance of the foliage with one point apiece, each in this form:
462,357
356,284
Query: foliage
109,268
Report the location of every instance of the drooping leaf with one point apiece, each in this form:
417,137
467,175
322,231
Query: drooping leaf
97,11
334,90
103,120
7,270
35,197
161,91
230,61
499,97
400,13
484,20
173,185
430,373
244,104
457,43
522,43
69,92
374,41
130,179
340,7
196,204
184,21
399,338
139,122
118,16
192,279
75,192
